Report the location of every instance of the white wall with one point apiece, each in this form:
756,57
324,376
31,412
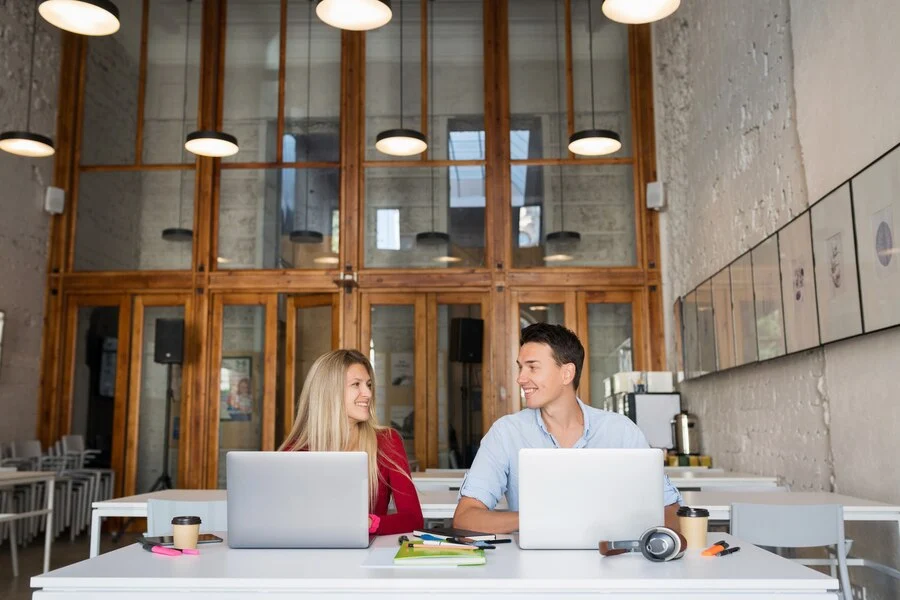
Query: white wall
761,108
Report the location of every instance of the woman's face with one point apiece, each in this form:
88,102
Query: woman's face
357,393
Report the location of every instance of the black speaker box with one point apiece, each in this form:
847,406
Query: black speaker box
466,340
169,341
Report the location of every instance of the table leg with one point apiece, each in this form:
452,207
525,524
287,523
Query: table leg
48,528
12,548
95,533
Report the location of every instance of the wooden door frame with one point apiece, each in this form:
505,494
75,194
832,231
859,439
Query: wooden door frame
270,364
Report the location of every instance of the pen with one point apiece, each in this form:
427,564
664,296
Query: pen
157,549
430,543
727,551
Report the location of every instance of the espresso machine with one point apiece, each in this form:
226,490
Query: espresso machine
686,433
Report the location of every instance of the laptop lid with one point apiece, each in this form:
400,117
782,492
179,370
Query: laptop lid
571,499
298,499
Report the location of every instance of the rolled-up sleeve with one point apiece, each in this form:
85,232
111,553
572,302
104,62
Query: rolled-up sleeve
488,478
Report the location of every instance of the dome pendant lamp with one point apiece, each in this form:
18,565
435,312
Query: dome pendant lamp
636,12
402,141
84,17
306,235
593,141
182,234
354,15
27,143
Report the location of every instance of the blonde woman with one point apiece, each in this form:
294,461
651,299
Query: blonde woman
336,412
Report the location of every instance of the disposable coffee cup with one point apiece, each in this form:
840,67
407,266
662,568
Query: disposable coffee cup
693,523
186,530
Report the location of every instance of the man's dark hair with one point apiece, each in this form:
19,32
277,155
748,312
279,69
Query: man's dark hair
563,342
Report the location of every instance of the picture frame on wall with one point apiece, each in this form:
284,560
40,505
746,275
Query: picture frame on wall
743,311
724,319
236,389
691,345
798,287
768,299
875,195
834,253
678,322
706,328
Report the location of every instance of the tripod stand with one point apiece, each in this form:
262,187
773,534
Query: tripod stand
164,482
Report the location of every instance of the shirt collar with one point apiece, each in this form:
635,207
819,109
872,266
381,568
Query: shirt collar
587,422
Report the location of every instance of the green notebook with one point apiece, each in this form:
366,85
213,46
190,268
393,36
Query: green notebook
435,556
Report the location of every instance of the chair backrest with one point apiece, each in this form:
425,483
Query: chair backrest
73,443
213,515
27,449
789,526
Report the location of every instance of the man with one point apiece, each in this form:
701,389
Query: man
550,361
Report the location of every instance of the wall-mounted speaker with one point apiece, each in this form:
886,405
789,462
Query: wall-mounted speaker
169,347
466,340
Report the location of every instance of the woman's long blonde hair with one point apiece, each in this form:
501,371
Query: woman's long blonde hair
322,423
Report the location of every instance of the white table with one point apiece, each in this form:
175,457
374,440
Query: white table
13,478
220,572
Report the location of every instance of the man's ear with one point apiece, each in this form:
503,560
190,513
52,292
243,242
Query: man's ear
568,370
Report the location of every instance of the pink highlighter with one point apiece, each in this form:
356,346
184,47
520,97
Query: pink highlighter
166,551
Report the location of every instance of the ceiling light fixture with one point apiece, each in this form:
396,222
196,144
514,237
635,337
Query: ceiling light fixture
558,258
326,260
401,141
84,17
28,143
447,259
593,141
354,15
305,235
635,12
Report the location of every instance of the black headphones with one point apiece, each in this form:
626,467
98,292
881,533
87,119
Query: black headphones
658,544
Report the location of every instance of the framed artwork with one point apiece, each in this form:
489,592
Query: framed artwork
767,300
743,311
678,321
236,389
876,215
691,346
706,328
798,288
724,319
837,281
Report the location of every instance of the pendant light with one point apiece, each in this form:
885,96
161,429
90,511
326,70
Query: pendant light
27,143
179,233
402,141
561,236
433,237
84,17
354,15
305,235
593,141
634,12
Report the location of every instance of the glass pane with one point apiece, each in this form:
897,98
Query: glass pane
767,299
154,402
402,203
597,202
241,386
251,78
609,345
724,324
313,335
312,86
612,83
94,383
259,209
121,217
170,99
458,395
392,352
394,100
111,92
691,343
706,332
536,312
537,79
744,311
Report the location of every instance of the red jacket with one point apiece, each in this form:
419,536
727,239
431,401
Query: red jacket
391,480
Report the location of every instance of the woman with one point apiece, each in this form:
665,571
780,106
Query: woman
336,412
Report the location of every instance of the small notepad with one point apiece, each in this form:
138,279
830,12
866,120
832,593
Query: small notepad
421,555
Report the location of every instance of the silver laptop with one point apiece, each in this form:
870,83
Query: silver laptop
572,499
298,500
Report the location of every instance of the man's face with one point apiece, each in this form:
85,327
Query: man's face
541,379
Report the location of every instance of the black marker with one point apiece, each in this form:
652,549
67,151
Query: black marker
728,551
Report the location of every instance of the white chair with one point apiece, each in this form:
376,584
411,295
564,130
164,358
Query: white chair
213,515
794,526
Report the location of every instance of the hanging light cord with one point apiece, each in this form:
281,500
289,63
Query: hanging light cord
401,64
308,102
562,194
187,38
430,8
591,61
31,67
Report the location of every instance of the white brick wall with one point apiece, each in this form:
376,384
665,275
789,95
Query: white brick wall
760,108
23,225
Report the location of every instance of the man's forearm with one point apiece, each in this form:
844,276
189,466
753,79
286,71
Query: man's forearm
488,521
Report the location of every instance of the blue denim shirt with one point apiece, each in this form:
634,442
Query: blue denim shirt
495,471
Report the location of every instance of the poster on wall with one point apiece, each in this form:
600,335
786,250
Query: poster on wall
767,295
743,311
691,349
724,325
798,288
236,389
837,283
706,328
876,216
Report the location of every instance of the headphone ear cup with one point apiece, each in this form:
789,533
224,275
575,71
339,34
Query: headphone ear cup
660,544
